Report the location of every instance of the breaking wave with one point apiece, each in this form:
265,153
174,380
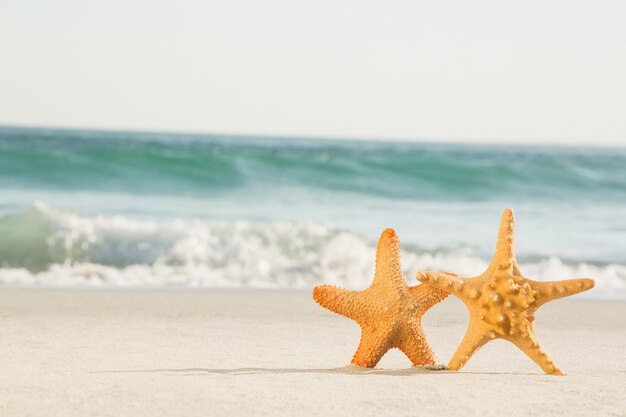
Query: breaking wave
209,165
51,247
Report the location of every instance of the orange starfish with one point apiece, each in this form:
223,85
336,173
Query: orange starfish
502,303
389,312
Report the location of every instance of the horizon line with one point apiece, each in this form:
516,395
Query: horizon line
336,138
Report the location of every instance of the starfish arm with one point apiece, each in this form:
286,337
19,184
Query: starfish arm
475,337
426,296
449,283
375,342
416,347
530,345
388,270
341,301
504,256
551,290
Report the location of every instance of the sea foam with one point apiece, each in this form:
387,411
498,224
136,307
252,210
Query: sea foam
66,248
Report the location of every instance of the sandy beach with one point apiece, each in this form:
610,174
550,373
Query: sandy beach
198,353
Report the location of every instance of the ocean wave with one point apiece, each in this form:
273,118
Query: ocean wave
206,165
46,246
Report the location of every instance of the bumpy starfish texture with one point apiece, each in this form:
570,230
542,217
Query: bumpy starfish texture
502,303
389,312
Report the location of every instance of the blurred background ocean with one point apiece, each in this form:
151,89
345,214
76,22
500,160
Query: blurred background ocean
182,210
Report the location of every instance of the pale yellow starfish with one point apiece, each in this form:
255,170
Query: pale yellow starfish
502,303
389,312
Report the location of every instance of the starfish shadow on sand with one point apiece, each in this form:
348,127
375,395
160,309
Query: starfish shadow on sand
346,370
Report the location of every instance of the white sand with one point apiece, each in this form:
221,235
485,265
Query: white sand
246,353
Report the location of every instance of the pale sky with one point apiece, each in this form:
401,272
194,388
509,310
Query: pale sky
496,71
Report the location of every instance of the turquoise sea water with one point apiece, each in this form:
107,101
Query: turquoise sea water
120,208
